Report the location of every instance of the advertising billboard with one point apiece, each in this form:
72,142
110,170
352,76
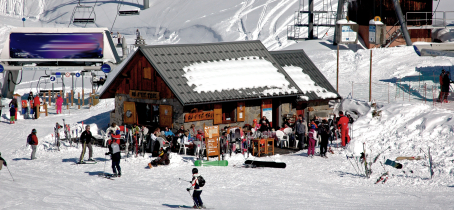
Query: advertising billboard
56,45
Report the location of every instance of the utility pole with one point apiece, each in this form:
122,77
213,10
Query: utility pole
337,74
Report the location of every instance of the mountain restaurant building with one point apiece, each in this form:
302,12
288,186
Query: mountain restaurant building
229,83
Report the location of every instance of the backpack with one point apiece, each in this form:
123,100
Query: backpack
324,130
30,139
201,181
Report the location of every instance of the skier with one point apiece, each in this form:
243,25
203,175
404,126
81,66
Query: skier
2,160
324,134
114,151
86,138
138,34
119,37
12,103
12,112
312,138
342,124
33,141
197,189
59,103
445,87
300,130
36,103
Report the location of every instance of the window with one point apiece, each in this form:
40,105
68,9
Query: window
147,73
229,113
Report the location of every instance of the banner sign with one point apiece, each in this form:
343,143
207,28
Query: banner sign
348,35
56,45
199,116
144,94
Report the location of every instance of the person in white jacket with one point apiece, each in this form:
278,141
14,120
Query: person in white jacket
312,138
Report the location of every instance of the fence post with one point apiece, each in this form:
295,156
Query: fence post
78,100
83,98
50,98
67,101
72,98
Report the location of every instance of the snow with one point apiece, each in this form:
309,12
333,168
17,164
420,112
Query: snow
306,84
407,127
345,21
373,22
237,74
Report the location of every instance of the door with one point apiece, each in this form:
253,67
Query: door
129,112
240,112
217,114
165,116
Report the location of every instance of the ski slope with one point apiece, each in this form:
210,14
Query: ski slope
52,182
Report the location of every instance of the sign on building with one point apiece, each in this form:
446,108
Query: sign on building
144,94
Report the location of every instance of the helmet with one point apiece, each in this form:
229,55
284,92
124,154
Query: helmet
255,120
117,132
195,170
34,130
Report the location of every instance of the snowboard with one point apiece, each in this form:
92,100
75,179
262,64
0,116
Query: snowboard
211,163
393,164
269,164
408,158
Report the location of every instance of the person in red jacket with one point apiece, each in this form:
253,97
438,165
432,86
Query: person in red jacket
342,124
33,141
59,103
36,104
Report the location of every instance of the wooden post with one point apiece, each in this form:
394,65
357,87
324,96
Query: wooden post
50,98
83,98
370,77
38,111
44,98
45,109
337,74
78,100
67,101
89,101
72,98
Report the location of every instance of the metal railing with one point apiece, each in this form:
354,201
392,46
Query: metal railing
435,19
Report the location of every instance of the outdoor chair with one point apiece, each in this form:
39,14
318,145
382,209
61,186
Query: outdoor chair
282,137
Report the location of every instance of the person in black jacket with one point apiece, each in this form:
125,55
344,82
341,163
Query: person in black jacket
85,139
4,161
445,87
114,151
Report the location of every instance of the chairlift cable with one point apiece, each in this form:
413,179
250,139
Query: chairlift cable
118,10
436,8
92,10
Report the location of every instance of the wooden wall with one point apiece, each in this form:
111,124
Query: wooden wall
363,11
136,76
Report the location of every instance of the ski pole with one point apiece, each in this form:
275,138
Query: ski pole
105,162
184,180
10,173
193,199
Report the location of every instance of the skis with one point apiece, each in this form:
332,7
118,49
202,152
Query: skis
367,169
85,162
430,165
409,158
108,176
190,207
383,178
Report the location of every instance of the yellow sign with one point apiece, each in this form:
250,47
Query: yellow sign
377,18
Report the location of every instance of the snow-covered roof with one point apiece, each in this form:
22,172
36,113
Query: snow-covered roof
237,74
306,75
220,72
345,21
373,22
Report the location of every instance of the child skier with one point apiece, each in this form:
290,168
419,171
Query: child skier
198,204
312,138
114,151
12,114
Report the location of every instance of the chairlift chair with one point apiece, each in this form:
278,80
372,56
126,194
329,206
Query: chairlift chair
126,10
84,14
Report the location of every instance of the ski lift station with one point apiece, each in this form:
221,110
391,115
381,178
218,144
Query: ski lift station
56,51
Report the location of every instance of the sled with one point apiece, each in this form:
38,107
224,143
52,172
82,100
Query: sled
269,164
211,163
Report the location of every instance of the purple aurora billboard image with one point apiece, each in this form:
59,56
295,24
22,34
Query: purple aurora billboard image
56,45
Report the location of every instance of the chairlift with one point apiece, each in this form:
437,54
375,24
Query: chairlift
126,10
84,14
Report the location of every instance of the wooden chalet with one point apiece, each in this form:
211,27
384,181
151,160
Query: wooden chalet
149,87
